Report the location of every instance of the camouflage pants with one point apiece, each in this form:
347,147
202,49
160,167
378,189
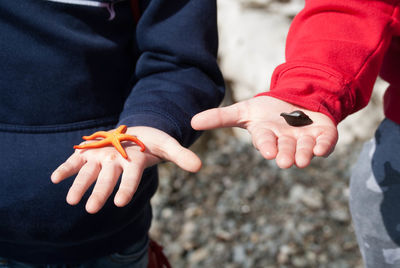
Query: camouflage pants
375,198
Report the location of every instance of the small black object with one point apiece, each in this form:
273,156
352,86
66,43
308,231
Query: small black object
297,118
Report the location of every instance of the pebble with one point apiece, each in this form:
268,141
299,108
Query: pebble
198,255
239,254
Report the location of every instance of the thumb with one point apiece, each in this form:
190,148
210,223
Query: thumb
164,147
229,116
188,160
171,150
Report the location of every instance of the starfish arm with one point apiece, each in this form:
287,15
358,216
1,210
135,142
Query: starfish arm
96,144
121,129
99,134
119,148
135,140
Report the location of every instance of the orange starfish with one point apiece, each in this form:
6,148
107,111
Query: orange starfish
114,138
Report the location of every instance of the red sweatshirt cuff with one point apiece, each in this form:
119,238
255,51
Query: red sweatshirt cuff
315,87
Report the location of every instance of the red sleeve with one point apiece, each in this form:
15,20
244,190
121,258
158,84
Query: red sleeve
334,52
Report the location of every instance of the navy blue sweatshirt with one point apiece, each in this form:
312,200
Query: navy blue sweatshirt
72,67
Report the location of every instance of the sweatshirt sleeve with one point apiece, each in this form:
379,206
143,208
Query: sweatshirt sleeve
177,72
334,52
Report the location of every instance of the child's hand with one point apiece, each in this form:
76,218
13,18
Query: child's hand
271,135
105,165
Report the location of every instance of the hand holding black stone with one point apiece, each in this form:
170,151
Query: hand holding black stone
297,118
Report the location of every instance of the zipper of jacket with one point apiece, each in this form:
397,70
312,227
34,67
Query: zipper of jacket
109,6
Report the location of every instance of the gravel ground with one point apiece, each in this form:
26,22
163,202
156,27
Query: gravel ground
241,210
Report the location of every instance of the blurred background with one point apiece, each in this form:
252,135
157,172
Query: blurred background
241,210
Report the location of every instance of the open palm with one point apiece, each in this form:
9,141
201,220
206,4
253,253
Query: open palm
103,167
270,133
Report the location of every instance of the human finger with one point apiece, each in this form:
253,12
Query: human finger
304,150
325,143
70,167
170,149
104,187
265,141
286,151
129,183
86,176
229,116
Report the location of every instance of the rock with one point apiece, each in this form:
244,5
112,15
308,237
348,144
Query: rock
312,198
239,254
198,255
284,254
251,45
340,215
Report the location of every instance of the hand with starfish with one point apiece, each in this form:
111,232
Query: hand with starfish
104,165
271,134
